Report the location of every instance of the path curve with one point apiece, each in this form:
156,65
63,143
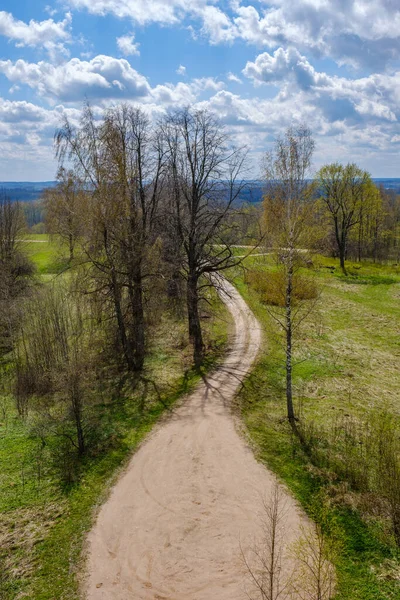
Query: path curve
191,496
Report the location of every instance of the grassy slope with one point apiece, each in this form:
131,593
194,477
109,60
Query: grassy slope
347,364
42,527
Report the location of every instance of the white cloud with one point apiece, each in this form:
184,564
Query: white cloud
216,25
26,134
356,32
207,83
234,78
257,122
183,94
376,96
151,11
100,78
48,34
127,45
181,70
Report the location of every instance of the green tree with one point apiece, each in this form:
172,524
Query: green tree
344,190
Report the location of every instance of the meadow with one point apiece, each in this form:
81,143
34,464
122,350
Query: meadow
347,359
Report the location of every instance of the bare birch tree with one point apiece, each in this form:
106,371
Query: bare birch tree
288,207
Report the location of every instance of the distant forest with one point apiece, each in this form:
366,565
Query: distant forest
251,193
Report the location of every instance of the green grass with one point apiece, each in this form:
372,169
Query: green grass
45,252
347,364
43,525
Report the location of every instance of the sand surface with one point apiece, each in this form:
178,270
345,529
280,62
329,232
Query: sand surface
191,497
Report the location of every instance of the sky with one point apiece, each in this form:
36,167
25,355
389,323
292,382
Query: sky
259,65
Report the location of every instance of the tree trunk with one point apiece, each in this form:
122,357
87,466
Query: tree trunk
195,333
342,252
341,244
76,402
138,326
342,256
71,247
288,303
126,346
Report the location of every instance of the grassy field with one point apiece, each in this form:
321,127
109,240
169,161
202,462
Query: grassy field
43,524
45,252
347,365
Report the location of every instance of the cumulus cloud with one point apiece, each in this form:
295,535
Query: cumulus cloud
257,122
282,65
128,46
151,11
26,134
375,96
48,34
217,25
100,78
181,70
183,94
355,32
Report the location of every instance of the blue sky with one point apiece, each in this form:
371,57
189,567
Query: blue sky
260,65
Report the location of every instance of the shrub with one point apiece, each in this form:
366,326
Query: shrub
271,286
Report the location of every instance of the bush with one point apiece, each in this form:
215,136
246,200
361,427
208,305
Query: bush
271,286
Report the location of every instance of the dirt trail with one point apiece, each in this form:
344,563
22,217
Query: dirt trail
190,497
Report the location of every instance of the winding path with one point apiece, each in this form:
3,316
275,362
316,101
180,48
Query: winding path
191,496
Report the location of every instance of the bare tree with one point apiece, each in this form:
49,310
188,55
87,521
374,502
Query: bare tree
12,225
54,360
204,171
288,206
120,160
64,209
15,269
315,574
265,564
343,189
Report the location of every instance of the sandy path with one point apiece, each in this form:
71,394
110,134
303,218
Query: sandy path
191,495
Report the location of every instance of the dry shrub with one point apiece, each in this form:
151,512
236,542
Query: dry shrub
364,453
271,287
